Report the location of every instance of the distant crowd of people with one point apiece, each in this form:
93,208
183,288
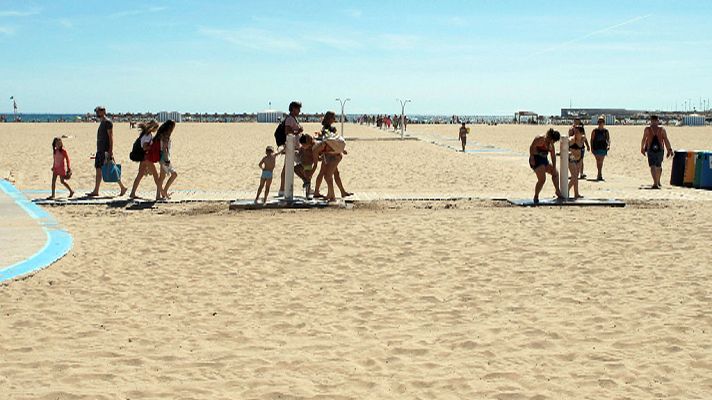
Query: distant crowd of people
653,145
384,121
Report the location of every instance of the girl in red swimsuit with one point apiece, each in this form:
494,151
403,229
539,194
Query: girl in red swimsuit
59,157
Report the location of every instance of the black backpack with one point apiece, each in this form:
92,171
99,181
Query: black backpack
280,134
137,154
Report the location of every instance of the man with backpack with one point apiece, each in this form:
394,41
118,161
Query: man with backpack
290,125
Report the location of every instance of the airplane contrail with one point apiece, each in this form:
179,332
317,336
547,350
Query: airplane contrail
594,33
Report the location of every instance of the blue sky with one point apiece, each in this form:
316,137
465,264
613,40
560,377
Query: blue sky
449,57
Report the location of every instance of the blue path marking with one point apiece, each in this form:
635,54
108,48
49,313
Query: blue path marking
58,243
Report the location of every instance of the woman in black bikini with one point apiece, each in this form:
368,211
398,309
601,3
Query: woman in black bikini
576,147
540,149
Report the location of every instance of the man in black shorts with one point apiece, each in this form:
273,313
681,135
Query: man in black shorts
654,138
104,149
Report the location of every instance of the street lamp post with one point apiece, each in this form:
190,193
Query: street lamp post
343,103
402,121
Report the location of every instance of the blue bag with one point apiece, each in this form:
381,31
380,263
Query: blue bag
111,172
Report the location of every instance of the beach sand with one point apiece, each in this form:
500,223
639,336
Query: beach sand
457,299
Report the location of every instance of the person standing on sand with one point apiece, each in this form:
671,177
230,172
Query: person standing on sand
600,144
539,150
463,136
104,149
654,137
291,126
267,166
578,123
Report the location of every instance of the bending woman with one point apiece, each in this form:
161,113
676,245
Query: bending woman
540,149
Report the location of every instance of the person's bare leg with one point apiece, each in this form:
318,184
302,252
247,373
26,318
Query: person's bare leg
319,178
122,188
259,190
581,169
268,183
170,181
554,180
54,185
281,181
340,185
658,174
97,183
599,166
137,180
71,192
156,180
652,173
540,180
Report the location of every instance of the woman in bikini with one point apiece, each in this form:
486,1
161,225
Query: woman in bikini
576,146
540,149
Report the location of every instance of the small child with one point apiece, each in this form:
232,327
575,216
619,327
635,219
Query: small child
307,162
267,165
59,156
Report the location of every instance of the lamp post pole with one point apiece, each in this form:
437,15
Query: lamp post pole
343,103
402,121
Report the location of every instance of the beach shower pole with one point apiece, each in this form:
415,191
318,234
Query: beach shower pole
564,167
289,169
342,113
402,121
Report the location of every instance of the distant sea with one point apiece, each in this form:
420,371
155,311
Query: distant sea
44,117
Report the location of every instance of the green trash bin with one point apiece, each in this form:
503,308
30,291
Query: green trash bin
699,166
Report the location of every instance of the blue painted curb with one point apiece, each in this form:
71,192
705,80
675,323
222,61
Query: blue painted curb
58,243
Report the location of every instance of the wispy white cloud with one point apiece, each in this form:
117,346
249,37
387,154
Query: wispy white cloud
14,13
393,41
353,13
130,13
591,34
6,30
254,39
66,23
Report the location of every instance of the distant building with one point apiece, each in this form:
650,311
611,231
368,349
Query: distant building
270,116
693,120
164,116
610,119
590,113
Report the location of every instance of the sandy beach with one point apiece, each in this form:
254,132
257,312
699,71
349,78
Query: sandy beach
387,300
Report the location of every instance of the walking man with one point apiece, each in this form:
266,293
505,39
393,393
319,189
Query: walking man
463,136
104,149
654,137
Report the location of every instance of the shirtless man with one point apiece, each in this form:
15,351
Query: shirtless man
654,137
463,136
578,123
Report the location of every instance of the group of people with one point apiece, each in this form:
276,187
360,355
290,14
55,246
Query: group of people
653,145
326,146
148,150
383,121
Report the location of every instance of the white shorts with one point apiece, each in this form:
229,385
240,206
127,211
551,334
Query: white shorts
167,168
